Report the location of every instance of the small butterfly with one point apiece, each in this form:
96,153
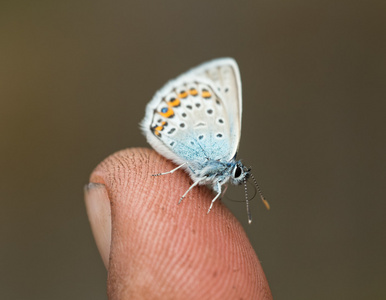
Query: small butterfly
195,121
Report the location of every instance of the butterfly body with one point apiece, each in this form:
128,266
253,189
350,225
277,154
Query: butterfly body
195,121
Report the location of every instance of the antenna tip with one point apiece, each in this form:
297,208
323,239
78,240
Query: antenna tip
268,207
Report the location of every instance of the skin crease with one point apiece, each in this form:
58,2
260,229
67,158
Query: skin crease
156,249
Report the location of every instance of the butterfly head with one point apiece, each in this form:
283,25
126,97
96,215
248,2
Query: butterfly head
240,173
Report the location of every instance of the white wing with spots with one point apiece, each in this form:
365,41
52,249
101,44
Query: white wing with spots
197,116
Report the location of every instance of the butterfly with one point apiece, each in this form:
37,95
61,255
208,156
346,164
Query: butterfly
195,121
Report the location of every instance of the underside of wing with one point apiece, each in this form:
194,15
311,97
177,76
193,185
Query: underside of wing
197,116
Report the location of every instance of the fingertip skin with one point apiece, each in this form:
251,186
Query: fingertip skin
162,250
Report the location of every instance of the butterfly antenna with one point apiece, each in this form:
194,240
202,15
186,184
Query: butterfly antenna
247,201
260,193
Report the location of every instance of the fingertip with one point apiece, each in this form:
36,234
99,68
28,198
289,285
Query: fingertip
173,251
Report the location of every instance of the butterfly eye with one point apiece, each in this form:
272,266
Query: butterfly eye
237,172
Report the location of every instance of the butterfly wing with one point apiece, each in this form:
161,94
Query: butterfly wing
197,116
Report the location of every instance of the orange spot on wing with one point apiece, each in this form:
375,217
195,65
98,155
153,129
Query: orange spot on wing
206,94
169,113
183,95
159,128
175,102
193,92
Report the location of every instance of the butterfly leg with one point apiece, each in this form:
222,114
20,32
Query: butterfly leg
218,190
192,186
224,190
170,172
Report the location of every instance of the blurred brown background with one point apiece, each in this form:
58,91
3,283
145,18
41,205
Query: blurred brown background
75,77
